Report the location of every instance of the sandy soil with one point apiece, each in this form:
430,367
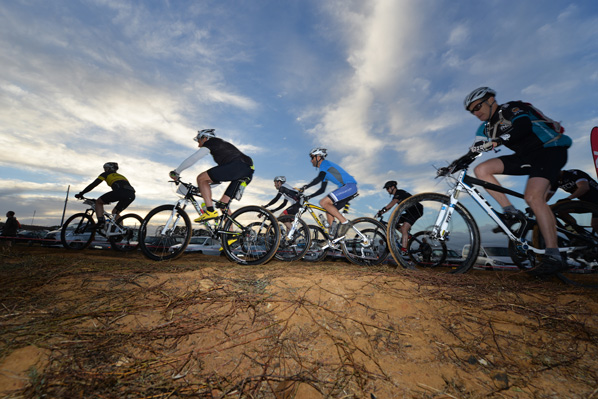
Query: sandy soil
102,324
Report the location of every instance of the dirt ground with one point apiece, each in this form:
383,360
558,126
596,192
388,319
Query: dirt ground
99,324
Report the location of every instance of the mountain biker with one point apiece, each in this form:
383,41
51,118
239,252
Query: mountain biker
540,151
580,185
232,165
122,191
288,193
338,198
408,218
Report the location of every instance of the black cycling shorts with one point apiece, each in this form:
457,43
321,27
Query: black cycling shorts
123,196
232,172
411,214
546,163
292,210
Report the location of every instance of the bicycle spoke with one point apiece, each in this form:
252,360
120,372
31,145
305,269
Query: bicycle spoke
165,233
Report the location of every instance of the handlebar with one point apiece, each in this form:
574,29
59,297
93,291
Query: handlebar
458,164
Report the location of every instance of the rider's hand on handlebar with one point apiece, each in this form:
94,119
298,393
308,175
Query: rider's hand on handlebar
174,175
79,196
445,170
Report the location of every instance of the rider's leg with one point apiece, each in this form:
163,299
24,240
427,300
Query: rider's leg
327,204
535,196
100,209
404,229
486,171
203,183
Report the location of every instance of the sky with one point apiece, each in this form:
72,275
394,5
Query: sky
379,83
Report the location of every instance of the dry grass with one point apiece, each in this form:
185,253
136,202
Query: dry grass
113,326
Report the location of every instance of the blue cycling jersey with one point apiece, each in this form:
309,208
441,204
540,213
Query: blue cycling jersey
336,174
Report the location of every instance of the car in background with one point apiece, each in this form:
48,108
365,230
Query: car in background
30,237
452,256
52,239
492,258
201,244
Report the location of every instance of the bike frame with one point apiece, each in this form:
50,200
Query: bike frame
110,221
465,183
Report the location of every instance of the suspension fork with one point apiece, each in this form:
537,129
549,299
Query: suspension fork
291,231
181,204
440,228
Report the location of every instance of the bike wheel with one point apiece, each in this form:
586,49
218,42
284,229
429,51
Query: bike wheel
296,247
422,257
129,240
78,231
422,212
576,233
250,236
365,242
165,233
319,240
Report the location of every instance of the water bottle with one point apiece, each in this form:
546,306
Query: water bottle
239,193
332,229
203,207
324,221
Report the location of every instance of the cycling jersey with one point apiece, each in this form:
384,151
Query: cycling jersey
568,182
224,152
336,174
527,129
288,193
116,181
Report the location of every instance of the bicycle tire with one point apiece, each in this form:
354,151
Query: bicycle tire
129,241
462,231
318,240
365,243
250,236
574,230
165,233
438,250
78,231
297,246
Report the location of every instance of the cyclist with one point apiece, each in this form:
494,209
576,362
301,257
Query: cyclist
122,192
540,151
408,218
232,165
580,185
288,193
337,199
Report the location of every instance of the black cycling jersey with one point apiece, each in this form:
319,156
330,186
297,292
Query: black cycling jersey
400,195
568,182
115,180
525,126
224,152
289,194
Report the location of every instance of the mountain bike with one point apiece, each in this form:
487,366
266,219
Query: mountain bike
446,220
249,236
416,252
80,229
363,244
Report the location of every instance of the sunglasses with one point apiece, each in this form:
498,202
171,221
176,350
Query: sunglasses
477,107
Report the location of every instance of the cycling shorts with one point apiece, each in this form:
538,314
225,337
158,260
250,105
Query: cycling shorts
411,214
292,210
232,172
546,163
342,195
124,197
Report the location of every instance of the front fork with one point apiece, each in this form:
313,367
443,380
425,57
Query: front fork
440,230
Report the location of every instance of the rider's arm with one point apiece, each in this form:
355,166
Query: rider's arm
583,186
278,195
93,185
320,177
319,191
199,154
284,203
521,127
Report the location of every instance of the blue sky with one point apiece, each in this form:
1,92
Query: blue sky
379,83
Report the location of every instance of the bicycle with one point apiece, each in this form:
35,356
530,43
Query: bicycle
418,255
447,221
80,229
249,236
363,244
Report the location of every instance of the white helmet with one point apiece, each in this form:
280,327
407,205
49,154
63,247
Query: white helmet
478,94
110,167
204,133
318,151
281,179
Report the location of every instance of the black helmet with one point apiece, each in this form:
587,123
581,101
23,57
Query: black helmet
110,167
390,183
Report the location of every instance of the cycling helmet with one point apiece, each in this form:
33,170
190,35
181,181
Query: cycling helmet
478,94
110,167
204,133
281,179
318,151
390,183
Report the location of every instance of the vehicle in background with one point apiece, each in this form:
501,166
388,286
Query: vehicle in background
201,244
492,258
452,256
52,239
30,237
